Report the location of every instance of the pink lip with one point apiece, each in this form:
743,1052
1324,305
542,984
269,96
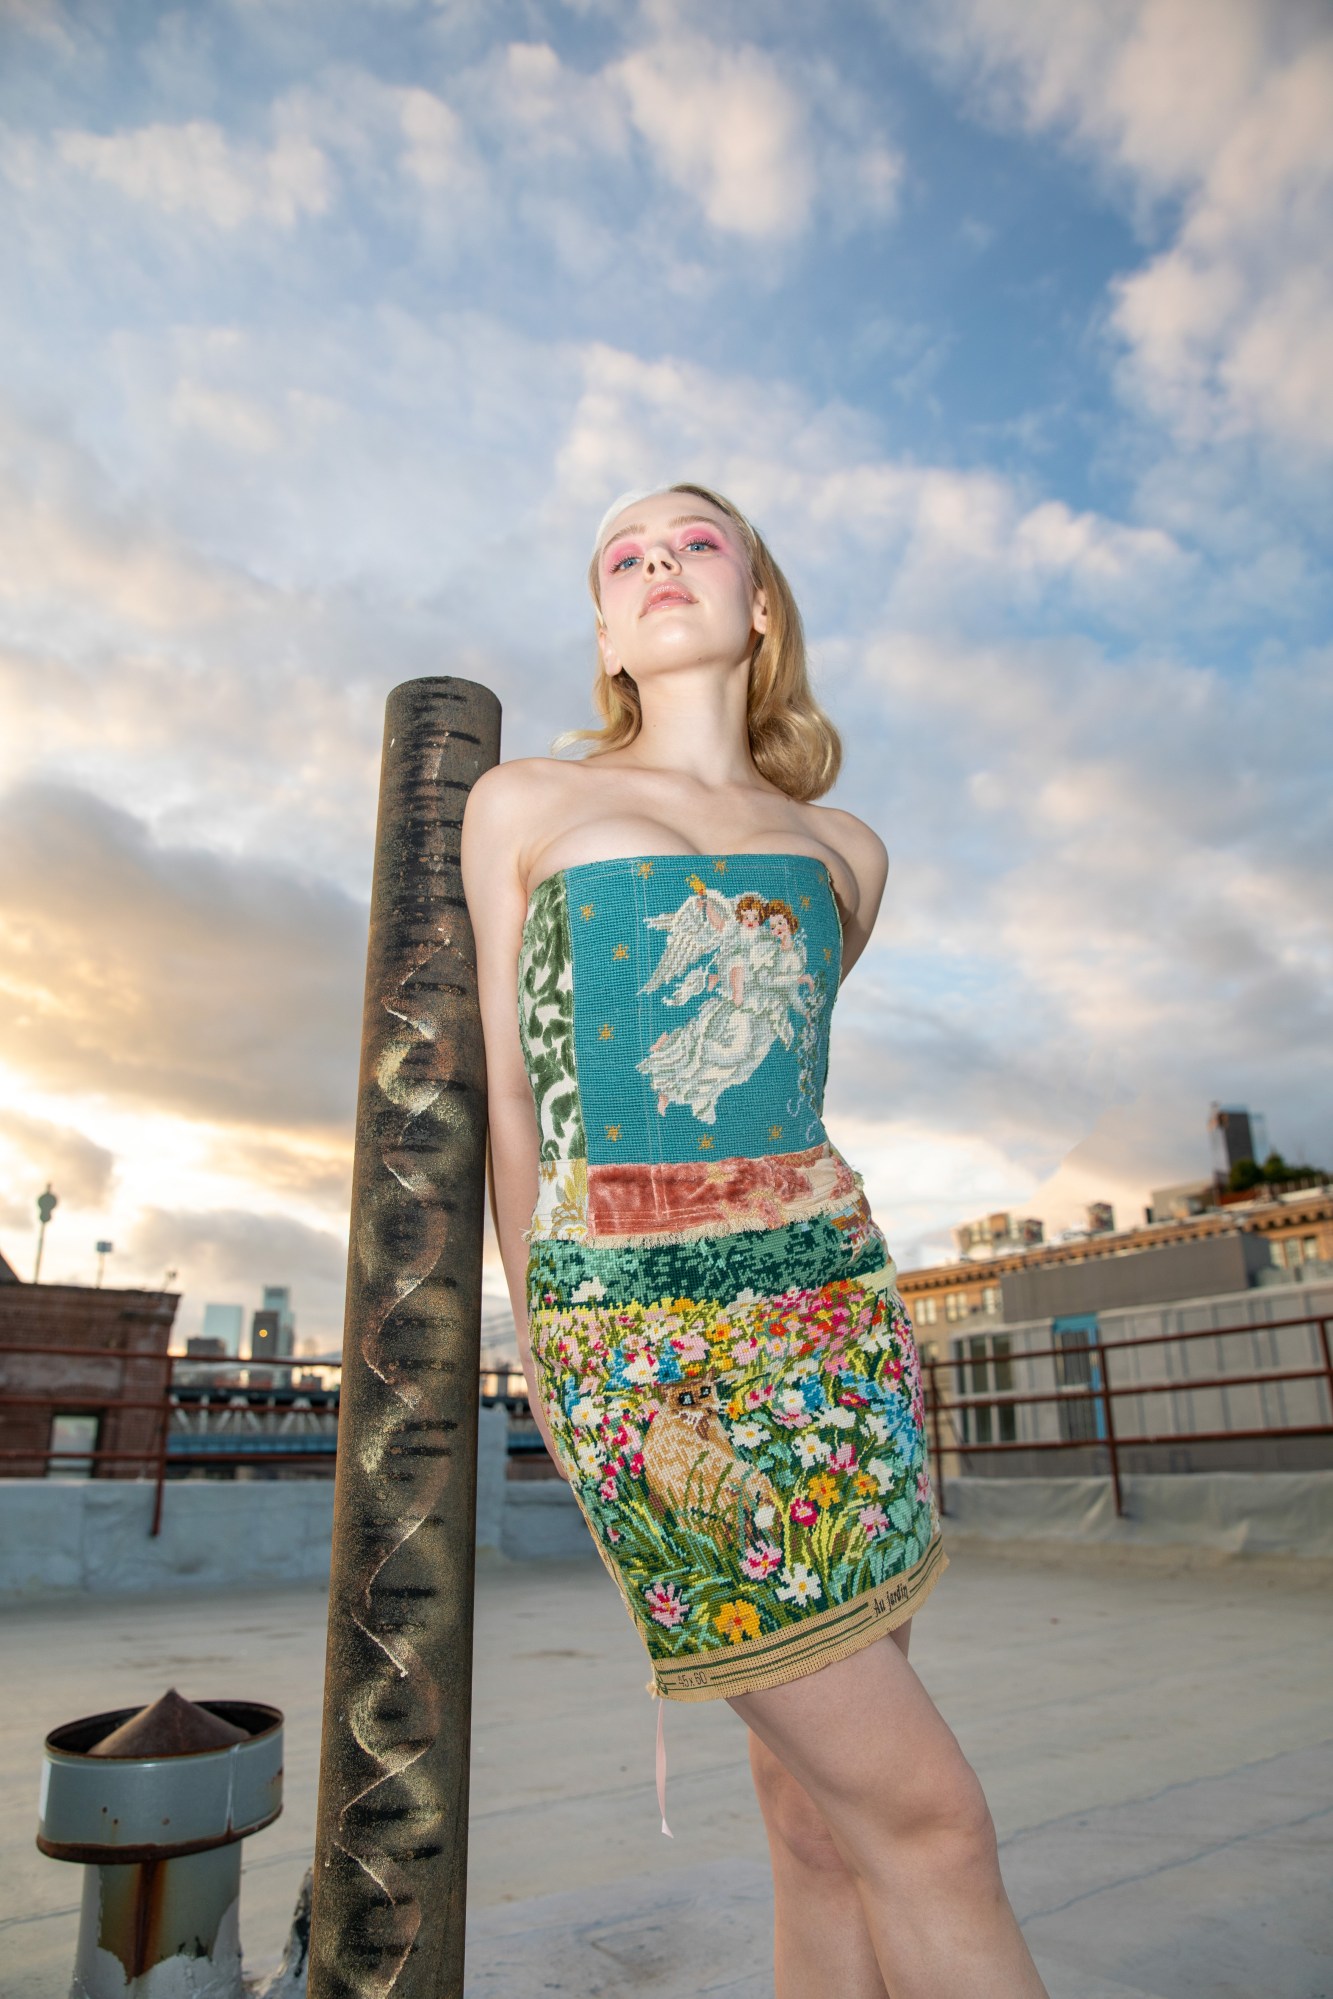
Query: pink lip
665,593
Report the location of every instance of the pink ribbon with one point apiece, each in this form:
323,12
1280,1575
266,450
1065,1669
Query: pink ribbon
661,1765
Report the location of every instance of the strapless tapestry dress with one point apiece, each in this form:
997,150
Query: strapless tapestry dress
723,1358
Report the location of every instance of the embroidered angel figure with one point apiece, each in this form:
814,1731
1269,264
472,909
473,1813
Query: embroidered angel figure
744,954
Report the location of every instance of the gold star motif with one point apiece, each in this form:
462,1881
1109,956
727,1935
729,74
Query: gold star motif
775,1131
645,869
621,951
805,902
605,1031
719,867
613,1132
586,912
828,954
705,1145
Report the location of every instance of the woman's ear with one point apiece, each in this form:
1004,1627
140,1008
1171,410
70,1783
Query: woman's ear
759,614
610,658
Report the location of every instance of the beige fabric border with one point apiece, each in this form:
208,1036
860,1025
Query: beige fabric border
778,1656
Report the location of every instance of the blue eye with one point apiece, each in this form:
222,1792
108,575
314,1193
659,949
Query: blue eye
623,563
700,541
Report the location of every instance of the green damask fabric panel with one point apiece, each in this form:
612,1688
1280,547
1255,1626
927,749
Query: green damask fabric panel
546,1021
768,1262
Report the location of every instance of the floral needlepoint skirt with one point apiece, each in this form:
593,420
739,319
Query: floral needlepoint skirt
753,1469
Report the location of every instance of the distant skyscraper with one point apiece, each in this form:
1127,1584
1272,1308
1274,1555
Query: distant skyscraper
266,1336
1234,1136
278,1299
224,1322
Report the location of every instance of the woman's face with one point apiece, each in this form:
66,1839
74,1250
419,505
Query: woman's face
675,587
781,929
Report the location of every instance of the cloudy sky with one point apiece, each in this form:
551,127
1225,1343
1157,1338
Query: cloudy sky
327,332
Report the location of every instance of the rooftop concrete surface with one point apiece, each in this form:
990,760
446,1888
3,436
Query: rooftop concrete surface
1154,1733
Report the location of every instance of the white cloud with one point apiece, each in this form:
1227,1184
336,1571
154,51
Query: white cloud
40,1150
919,539
727,131
217,987
197,169
1226,111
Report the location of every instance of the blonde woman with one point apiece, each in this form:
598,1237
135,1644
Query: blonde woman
715,1349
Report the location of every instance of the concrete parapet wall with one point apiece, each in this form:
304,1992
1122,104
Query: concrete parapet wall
64,1536
542,1522
1237,1513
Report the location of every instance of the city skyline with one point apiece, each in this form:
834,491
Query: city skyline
332,332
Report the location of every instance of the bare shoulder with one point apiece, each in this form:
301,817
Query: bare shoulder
862,850
510,804
520,786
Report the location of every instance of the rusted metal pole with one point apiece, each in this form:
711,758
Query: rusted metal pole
1112,1444
391,1838
933,1378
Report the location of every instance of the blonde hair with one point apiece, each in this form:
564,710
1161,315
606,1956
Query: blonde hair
793,742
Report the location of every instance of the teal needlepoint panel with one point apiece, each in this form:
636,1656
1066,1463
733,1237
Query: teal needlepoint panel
703,986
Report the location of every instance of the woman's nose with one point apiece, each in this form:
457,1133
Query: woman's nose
660,557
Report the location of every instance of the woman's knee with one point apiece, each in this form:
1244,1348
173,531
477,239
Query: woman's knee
946,1815
794,1822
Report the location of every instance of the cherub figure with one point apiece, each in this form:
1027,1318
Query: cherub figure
744,956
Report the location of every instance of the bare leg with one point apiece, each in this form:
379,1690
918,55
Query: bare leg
820,1941
904,1810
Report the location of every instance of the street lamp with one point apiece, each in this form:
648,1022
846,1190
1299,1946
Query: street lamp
104,1250
47,1204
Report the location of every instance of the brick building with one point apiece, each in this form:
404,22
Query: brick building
98,1357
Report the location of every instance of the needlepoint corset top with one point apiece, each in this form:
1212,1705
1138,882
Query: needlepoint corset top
723,1358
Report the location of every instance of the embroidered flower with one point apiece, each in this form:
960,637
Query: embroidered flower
923,1484
590,1459
803,1511
745,1350
823,1489
667,1604
608,1487
748,1435
844,1458
800,1585
764,1516
760,1559
613,1533
639,1368
586,1413
737,1621
812,1450
793,1411
881,1472
864,1484
691,1346
842,1419
874,1520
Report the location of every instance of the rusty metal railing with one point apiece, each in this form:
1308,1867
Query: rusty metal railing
170,1450
502,1383
1103,1393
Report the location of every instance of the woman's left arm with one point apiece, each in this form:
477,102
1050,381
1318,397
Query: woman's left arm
865,870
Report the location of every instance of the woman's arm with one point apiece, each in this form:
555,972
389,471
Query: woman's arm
493,882
866,860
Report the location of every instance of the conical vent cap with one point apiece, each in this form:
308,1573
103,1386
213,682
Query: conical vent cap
172,1726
